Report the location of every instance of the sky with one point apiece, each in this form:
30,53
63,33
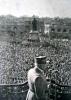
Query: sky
41,8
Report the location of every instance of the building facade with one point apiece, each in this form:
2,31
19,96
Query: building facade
58,30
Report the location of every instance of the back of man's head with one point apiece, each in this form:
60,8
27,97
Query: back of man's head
40,61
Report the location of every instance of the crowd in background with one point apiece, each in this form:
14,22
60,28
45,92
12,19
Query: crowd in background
17,58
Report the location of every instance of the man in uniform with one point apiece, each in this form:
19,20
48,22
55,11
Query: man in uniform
37,81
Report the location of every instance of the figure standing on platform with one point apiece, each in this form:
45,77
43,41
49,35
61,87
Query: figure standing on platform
37,81
34,24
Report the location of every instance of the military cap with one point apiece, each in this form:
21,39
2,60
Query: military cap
40,60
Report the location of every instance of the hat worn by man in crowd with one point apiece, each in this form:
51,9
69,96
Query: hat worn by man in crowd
40,60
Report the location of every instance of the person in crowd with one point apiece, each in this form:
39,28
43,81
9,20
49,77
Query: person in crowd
37,81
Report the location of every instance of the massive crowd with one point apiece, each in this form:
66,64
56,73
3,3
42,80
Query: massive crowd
17,58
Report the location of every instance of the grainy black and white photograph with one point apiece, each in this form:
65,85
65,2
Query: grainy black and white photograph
35,49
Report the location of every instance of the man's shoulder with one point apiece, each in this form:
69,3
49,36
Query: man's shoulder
31,71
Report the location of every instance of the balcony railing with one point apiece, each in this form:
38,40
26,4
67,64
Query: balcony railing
13,91
19,91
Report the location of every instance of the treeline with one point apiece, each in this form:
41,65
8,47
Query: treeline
9,19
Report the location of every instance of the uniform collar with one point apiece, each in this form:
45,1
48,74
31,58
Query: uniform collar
41,71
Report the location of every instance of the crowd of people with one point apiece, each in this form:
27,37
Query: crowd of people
16,59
